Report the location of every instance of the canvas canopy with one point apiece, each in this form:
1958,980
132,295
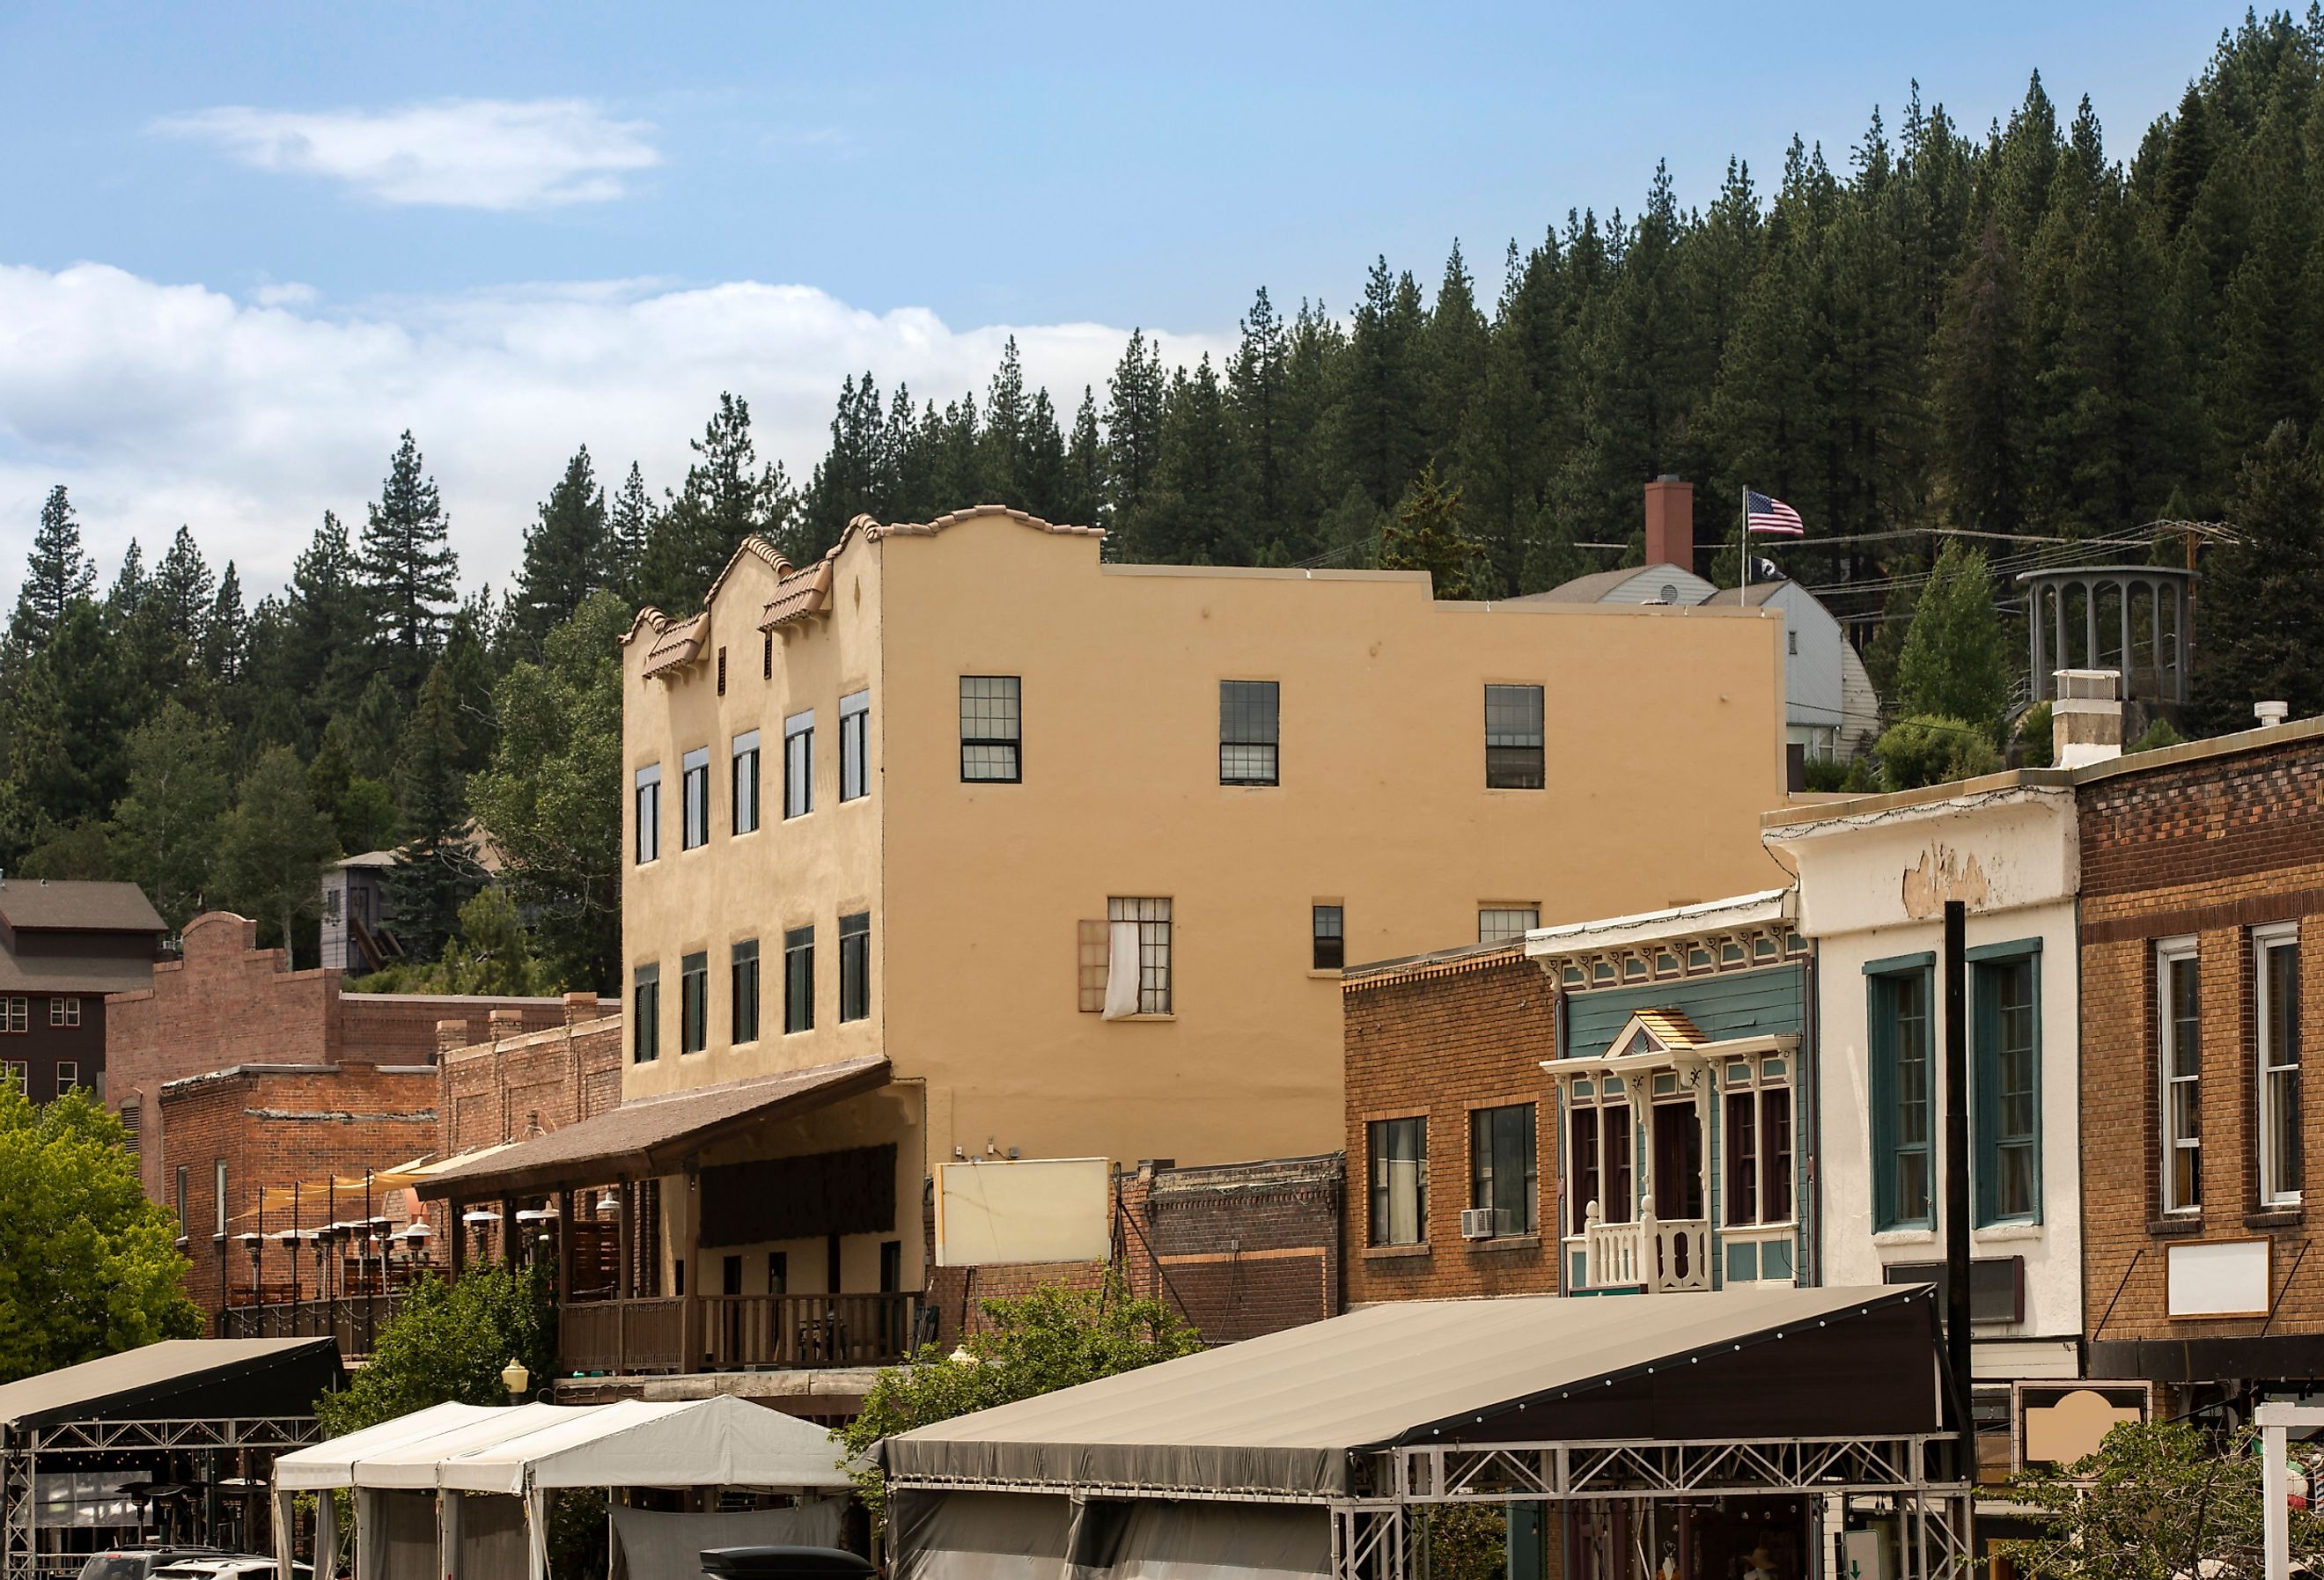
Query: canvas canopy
719,1442
331,1463
179,1379
1284,1415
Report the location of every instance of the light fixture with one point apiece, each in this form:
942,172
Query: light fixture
514,1377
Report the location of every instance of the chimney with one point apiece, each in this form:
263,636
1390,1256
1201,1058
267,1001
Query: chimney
2084,718
451,1034
499,1025
2269,713
1670,522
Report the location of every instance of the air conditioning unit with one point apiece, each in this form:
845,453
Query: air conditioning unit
1480,1222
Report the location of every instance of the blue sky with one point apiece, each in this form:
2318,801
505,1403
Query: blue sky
241,247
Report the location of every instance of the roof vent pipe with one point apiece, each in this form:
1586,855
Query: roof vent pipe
2271,714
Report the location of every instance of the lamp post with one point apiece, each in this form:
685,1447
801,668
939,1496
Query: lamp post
515,1378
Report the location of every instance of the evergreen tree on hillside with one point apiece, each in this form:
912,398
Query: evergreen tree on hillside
1254,398
323,657
1981,389
1454,349
435,867
856,475
1386,385
1426,533
127,594
567,551
727,497
1133,426
2269,579
66,730
56,572
1193,513
272,848
406,569
1043,460
1954,663
166,829
1007,440
225,633
629,523
184,591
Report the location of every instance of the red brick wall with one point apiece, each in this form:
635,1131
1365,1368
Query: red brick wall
501,1091
1470,1032
294,1124
2210,847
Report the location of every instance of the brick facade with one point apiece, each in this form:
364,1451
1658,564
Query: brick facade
1464,1032
520,1082
2205,842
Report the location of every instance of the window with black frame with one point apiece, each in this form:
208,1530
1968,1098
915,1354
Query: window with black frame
1248,732
1502,1166
645,1014
745,787
855,967
991,726
1513,756
694,827
854,746
744,990
692,1003
1398,1181
798,764
798,980
1329,927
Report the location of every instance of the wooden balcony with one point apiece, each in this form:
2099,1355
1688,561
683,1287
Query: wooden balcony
1654,1255
735,1332
354,1320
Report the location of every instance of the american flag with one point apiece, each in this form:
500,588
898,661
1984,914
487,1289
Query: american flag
1763,514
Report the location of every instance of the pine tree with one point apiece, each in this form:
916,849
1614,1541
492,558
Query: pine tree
727,497
1081,491
272,848
856,475
1254,396
2265,584
1133,426
1385,383
629,524
56,572
225,633
406,569
1980,394
1454,348
66,730
1426,533
567,551
435,868
130,586
1192,514
1044,459
1005,443
1954,664
184,590
166,832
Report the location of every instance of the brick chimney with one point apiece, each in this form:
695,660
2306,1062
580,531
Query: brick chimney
2084,718
1670,522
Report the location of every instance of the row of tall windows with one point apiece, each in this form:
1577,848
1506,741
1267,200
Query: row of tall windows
744,794
743,995
2004,1087
2274,1063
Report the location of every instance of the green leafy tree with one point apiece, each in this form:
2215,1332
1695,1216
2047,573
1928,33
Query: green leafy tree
88,1266
566,550
2271,578
1427,534
448,1343
492,955
406,569
272,845
1054,1338
435,867
552,794
1954,661
362,810
166,830
2160,1500
57,572
1930,749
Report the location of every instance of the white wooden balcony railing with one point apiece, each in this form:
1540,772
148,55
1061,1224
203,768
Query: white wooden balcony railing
1654,1255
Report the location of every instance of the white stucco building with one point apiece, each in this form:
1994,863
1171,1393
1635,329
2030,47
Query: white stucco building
1874,874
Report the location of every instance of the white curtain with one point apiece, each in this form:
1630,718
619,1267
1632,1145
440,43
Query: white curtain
1120,970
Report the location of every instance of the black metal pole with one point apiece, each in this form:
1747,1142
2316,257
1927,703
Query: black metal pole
1957,1259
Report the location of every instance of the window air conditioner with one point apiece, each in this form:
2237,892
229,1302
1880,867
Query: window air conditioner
1479,1222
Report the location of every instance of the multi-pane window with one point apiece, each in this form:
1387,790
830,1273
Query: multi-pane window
798,979
18,1073
693,1003
1329,927
2005,1022
15,1016
64,1011
798,764
1248,739
746,781
2275,1002
1903,1146
1501,1167
645,1014
1513,738
743,989
67,1076
2180,1062
855,967
1496,923
991,724
1152,920
1757,1143
854,746
648,812
1599,1152
1398,1178
694,784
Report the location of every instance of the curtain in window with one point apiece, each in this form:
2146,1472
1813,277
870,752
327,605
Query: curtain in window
1120,970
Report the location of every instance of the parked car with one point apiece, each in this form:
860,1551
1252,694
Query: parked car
227,1567
139,1563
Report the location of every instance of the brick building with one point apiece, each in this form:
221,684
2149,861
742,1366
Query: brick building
2202,889
63,947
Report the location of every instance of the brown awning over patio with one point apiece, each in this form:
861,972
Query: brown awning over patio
649,1136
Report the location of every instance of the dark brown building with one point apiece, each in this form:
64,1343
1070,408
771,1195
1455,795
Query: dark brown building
63,947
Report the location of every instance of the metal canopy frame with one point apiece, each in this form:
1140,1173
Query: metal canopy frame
22,1453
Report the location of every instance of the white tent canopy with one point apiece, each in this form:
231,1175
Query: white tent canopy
331,1463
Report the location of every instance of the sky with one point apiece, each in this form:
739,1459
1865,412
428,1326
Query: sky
243,247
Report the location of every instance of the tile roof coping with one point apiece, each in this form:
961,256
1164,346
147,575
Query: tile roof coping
1436,963
1678,921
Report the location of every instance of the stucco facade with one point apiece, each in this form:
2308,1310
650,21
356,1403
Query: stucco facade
1874,874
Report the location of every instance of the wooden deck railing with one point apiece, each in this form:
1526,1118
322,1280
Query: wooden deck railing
736,1332
354,1320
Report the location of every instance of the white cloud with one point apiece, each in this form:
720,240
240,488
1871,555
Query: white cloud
157,404
286,294
463,154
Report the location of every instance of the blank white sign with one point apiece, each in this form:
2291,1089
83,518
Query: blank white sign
1039,1210
2218,1279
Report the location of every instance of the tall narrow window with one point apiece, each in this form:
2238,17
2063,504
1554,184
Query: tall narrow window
185,1223
1398,1178
991,724
692,1003
766,658
1598,1153
1498,923
1903,1155
1331,940
1756,1143
745,788
854,746
648,812
1248,740
2005,1023
2180,1059
645,1014
1742,1146
1513,738
855,967
694,783
798,979
1501,1167
1138,965
722,671
217,1198
2275,1002
744,989
798,764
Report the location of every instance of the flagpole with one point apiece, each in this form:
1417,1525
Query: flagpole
1745,540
